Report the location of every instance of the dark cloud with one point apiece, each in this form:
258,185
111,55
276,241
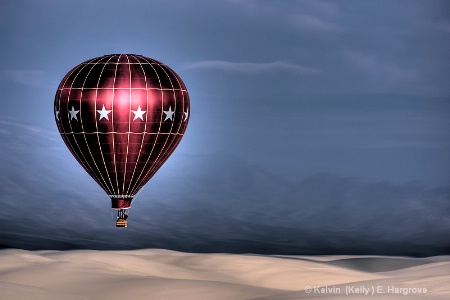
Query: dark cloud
314,24
249,67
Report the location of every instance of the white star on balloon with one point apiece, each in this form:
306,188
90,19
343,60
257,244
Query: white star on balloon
169,113
138,113
186,115
57,114
103,113
73,113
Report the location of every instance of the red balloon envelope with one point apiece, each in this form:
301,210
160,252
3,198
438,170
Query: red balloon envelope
122,116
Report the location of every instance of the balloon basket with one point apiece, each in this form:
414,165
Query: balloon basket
122,216
121,222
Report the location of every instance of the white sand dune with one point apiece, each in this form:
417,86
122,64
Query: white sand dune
163,274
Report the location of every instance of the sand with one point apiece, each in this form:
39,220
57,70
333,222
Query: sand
163,274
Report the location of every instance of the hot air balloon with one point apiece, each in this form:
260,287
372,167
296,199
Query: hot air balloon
121,116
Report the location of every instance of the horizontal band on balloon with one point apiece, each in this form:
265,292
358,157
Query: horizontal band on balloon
141,133
121,203
122,63
123,88
149,61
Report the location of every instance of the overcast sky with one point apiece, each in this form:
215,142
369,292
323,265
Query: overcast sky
337,106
